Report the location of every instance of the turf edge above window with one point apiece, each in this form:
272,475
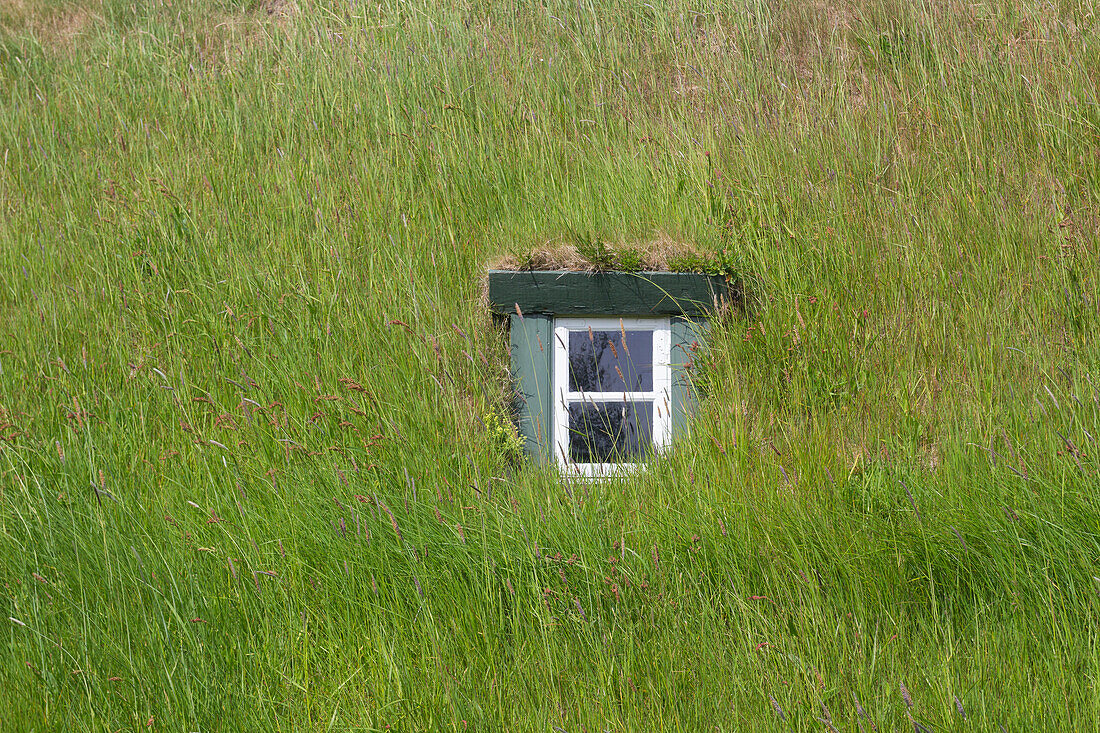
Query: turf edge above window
599,361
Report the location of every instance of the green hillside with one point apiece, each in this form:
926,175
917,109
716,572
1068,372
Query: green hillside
256,467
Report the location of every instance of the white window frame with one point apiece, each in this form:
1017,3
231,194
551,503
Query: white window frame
660,395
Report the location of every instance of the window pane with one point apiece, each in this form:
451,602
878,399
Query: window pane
610,432
599,362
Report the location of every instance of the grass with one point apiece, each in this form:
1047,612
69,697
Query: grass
252,472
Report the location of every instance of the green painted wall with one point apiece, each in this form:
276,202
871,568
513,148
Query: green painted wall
686,330
531,338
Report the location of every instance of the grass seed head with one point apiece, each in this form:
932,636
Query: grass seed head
863,713
905,695
778,710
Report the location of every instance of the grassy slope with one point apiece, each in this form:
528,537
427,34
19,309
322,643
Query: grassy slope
212,214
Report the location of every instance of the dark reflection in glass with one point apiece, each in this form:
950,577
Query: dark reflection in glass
598,361
610,432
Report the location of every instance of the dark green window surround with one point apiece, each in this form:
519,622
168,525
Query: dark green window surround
532,300
566,293
531,339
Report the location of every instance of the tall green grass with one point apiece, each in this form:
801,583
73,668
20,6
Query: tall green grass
246,478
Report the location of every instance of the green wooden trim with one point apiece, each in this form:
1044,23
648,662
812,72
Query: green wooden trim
531,346
565,293
686,331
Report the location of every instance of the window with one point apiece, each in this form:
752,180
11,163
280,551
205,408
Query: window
601,375
611,379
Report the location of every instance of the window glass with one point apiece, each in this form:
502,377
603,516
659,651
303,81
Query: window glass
609,432
603,361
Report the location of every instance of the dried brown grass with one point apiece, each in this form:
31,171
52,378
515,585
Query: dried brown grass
220,37
54,27
659,253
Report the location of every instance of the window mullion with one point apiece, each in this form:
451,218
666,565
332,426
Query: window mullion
611,396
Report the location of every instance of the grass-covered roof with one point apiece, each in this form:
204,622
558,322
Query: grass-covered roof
256,466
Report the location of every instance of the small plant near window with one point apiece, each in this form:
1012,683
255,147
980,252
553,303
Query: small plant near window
631,260
502,434
722,262
596,251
